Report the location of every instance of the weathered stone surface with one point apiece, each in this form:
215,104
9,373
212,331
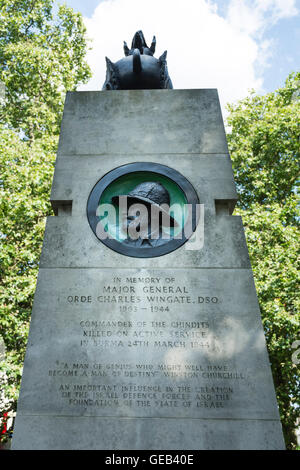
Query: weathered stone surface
211,176
191,338
86,433
153,353
224,246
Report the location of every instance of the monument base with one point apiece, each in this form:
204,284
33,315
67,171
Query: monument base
94,433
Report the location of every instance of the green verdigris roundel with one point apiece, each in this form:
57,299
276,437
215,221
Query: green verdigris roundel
143,210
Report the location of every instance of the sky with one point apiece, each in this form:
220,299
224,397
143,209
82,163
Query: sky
231,45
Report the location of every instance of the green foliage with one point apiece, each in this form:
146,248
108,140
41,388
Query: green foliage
264,143
24,195
41,57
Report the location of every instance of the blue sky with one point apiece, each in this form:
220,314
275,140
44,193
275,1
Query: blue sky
233,45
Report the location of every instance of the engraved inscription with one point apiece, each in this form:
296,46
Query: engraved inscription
158,395
151,347
149,290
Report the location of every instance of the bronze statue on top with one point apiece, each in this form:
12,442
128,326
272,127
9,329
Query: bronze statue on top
138,70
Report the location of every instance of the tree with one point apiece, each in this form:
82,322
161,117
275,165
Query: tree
264,142
41,57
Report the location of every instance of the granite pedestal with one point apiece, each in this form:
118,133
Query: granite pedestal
152,353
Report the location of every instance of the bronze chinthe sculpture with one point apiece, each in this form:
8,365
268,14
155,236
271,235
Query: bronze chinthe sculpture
139,69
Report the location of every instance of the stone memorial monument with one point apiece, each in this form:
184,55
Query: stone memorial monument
145,335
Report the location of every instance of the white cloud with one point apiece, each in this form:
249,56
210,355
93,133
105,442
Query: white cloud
205,50
255,16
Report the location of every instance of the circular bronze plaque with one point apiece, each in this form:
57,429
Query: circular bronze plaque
160,190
